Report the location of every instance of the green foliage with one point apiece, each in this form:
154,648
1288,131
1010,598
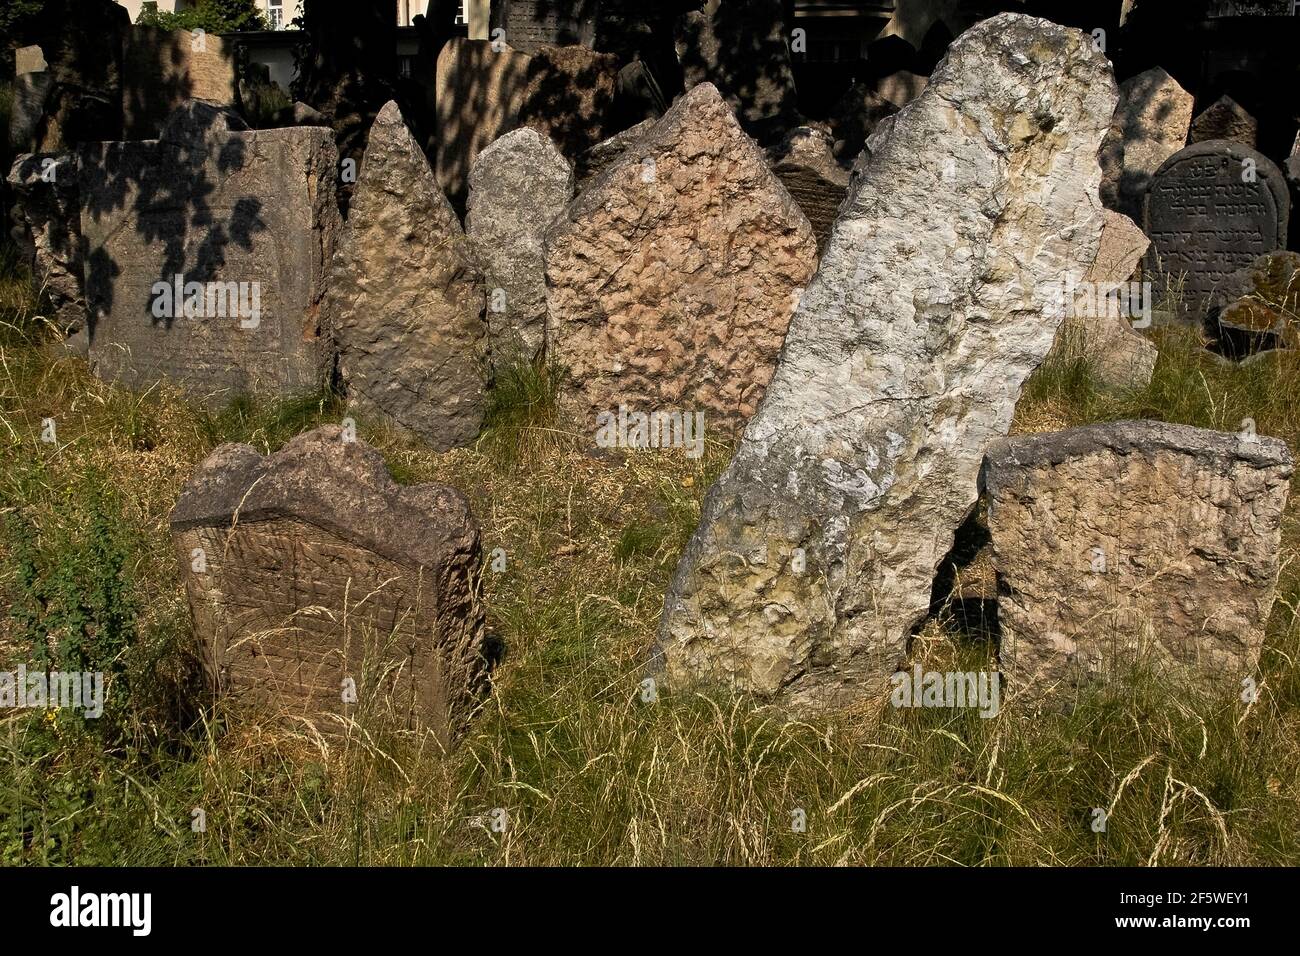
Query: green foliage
213,16
73,608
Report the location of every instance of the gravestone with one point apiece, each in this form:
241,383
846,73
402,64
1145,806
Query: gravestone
161,69
805,163
1225,118
740,47
672,277
311,567
206,253
479,92
47,209
405,298
1135,538
816,552
1212,208
518,186
532,24
1149,126
569,96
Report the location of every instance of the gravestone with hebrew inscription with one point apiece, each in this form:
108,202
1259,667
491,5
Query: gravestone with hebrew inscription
1212,208
205,254
319,586
532,24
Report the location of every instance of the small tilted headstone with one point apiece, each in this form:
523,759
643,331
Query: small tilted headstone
319,586
1212,208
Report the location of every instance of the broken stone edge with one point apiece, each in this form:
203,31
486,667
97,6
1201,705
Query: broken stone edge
1006,458
236,484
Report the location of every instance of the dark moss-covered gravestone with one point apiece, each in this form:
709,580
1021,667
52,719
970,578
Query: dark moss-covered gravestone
1212,208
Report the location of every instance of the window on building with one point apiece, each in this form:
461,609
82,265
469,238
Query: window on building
276,10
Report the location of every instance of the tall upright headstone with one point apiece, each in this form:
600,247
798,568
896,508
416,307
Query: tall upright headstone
816,552
205,255
1212,208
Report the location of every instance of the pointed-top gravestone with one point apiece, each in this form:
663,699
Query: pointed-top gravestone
672,277
405,298
816,550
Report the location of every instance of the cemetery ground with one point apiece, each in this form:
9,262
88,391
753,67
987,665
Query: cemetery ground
585,770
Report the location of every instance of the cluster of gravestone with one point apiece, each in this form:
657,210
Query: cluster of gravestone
864,332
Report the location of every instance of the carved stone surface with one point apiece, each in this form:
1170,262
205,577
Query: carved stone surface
1135,537
672,277
805,163
213,204
569,96
816,551
1212,208
311,566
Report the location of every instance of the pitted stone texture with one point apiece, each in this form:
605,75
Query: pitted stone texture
817,548
1134,538
594,161
518,186
672,277
1225,118
312,565
214,204
48,214
405,298
1149,126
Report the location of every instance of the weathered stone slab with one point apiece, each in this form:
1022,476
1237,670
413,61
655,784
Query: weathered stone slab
311,567
533,24
817,548
1225,118
29,59
740,47
31,94
479,93
1107,304
1135,538
1212,208
405,297
161,69
569,96
518,186
901,87
1150,125
1261,306
215,205
805,163
672,277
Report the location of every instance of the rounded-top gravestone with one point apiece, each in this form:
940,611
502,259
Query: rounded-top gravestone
1212,208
